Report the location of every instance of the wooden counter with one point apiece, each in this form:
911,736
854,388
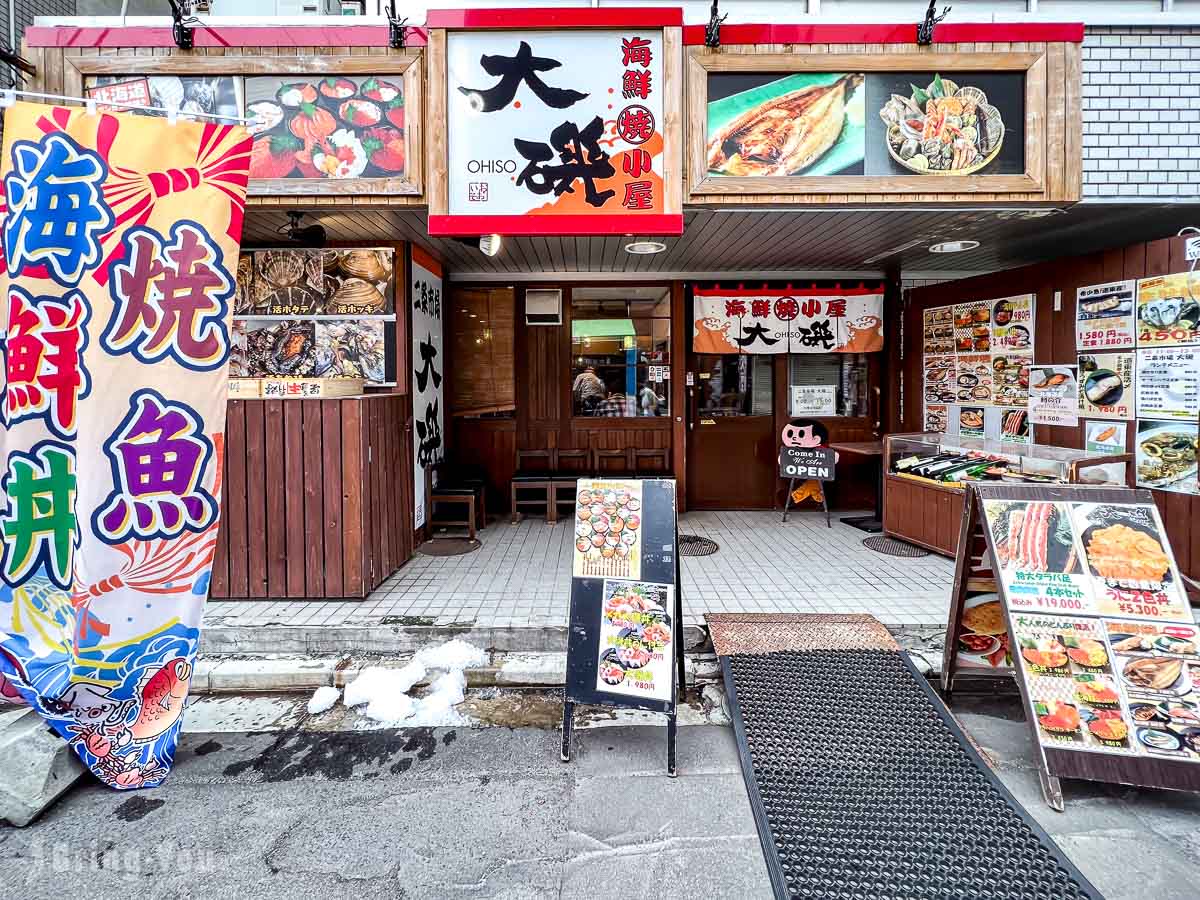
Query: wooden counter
922,513
316,497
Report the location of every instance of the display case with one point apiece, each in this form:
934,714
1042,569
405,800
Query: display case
925,474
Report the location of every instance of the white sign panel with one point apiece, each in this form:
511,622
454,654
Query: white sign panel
1104,316
428,374
1054,395
556,124
1168,383
813,400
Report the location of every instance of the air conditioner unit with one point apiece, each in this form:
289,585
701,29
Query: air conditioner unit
543,306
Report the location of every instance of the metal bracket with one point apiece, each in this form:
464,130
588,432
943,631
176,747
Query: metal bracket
925,29
397,28
182,25
712,31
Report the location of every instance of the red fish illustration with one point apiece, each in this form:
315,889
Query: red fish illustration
163,695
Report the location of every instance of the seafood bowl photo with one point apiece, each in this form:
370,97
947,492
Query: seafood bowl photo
942,128
802,124
326,127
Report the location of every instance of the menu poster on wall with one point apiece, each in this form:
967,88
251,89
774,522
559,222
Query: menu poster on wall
1053,395
1168,383
939,330
1129,561
974,378
971,423
1104,316
1105,437
1106,385
972,327
1010,378
1013,426
1012,323
636,648
1165,455
1168,310
608,519
429,371
937,417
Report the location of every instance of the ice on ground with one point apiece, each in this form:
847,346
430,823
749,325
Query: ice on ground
437,707
455,654
323,699
376,681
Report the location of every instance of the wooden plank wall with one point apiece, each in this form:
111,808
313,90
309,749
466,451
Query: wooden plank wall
56,75
1063,126
315,497
1054,342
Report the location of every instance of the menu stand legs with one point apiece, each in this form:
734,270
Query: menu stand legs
568,717
1051,790
788,500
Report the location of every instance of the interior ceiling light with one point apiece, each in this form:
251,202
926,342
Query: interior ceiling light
489,244
953,246
643,247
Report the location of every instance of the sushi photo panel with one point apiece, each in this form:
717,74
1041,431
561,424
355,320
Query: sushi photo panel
608,534
1129,561
326,127
637,634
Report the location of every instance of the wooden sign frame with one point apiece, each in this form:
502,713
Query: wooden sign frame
972,572
580,643
1051,116
408,67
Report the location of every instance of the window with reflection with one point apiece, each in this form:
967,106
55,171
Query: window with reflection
828,384
621,352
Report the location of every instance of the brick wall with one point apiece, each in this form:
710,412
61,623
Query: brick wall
27,9
1141,112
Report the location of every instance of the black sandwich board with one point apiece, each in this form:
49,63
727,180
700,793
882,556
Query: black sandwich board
625,646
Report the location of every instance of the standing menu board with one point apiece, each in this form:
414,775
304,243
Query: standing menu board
1099,635
625,644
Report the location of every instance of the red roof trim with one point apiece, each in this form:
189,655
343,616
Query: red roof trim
547,225
983,32
859,289
221,36
568,17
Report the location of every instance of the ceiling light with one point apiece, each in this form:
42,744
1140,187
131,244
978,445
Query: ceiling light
643,247
489,244
953,246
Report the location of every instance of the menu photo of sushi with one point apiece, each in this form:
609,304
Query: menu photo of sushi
1129,561
608,529
1037,556
636,640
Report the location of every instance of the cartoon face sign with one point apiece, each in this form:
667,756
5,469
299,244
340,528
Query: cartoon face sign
804,433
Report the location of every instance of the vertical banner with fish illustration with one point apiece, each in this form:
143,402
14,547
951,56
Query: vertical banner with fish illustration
428,362
120,238
558,132
781,321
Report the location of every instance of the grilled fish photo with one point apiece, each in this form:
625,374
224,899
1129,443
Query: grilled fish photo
784,135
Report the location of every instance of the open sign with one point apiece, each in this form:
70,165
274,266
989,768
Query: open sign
815,463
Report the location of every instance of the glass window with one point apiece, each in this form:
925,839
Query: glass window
837,380
730,385
620,352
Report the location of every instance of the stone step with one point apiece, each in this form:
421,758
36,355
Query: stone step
38,768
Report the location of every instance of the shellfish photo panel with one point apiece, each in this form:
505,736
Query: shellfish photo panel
873,124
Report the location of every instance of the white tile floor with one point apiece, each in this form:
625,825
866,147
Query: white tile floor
521,576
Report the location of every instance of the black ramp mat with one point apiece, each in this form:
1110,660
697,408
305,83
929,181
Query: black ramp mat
864,788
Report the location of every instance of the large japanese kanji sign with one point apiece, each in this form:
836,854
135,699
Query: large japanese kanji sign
120,242
814,321
554,132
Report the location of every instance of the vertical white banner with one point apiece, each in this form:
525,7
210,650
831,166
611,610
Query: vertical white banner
428,372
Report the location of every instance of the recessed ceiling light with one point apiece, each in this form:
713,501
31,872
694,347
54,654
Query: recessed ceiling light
489,244
953,246
645,247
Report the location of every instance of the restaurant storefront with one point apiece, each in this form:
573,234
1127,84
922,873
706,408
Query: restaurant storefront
688,249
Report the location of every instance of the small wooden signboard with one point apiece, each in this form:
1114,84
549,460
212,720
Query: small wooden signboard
807,464
1096,629
625,646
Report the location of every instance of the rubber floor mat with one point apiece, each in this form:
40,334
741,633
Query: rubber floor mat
865,788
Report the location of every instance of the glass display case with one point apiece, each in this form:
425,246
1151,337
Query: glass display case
925,475
953,461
